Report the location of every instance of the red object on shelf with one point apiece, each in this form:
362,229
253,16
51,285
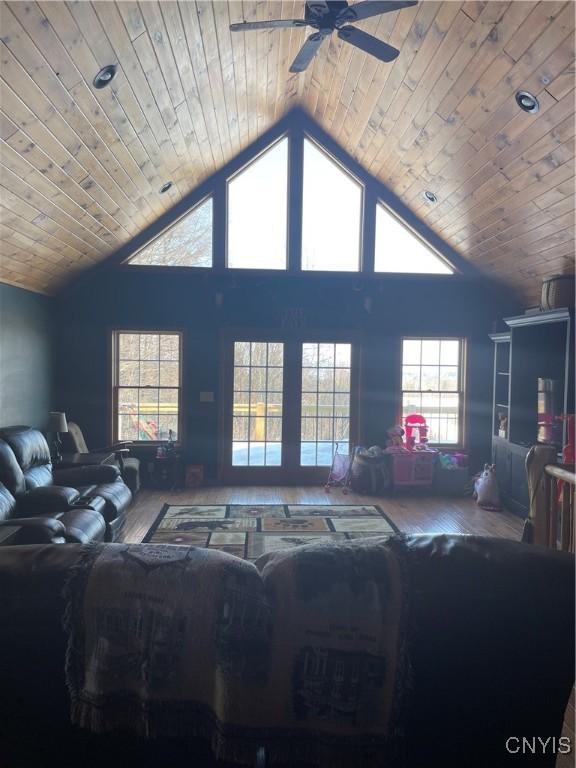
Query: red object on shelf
415,425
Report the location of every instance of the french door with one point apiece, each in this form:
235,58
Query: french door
257,404
288,402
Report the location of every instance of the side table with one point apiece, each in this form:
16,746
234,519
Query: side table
167,471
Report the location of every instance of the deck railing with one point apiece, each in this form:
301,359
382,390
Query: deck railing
560,483
552,487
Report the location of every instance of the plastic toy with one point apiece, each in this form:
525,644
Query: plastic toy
486,489
416,429
448,461
461,459
395,436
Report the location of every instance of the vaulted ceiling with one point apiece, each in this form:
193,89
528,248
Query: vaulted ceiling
81,168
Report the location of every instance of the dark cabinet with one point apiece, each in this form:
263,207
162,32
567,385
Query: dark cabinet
501,458
519,494
536,346
510,461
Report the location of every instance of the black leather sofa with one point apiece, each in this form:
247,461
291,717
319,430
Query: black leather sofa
491,644
74,496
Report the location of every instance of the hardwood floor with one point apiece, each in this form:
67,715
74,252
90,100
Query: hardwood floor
411,513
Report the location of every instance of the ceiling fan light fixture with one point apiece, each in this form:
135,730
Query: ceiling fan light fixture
165,187
527,102
105,76
430,197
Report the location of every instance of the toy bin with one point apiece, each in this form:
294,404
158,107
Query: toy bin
413,468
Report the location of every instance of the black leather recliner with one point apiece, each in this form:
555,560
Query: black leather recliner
77,525
26,471
73,442
30,530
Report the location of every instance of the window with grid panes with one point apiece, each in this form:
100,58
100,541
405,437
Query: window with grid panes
257,404
147,386
432,386
325,419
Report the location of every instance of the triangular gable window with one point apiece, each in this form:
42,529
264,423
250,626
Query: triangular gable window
336,224
188,243
400,249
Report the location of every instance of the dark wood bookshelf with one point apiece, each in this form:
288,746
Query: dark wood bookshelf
536,345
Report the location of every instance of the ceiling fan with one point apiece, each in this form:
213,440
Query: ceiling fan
329,16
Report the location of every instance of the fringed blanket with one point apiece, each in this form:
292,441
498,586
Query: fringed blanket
302,654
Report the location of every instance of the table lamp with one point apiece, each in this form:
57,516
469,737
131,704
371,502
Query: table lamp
57,423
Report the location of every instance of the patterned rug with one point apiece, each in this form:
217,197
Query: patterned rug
251,530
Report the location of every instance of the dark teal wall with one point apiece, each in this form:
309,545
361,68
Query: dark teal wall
186,301
26,352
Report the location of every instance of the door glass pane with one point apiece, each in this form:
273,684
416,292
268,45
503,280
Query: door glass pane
257,404
325,418
273,454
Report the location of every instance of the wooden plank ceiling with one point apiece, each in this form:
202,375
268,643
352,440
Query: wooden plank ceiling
81,168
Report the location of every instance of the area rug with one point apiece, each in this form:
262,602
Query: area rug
251,530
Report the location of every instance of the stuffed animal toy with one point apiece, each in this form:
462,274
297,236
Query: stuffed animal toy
486,489
395,436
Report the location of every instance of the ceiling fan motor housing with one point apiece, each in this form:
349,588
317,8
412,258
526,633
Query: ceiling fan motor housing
315,14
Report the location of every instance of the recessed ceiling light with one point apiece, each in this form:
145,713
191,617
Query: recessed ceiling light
430,196
165,187
105,76
527,102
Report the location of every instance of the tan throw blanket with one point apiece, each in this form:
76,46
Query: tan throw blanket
303,654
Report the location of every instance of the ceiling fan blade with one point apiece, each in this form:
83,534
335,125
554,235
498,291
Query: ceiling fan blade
372,8
368,43
243,26
307,52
